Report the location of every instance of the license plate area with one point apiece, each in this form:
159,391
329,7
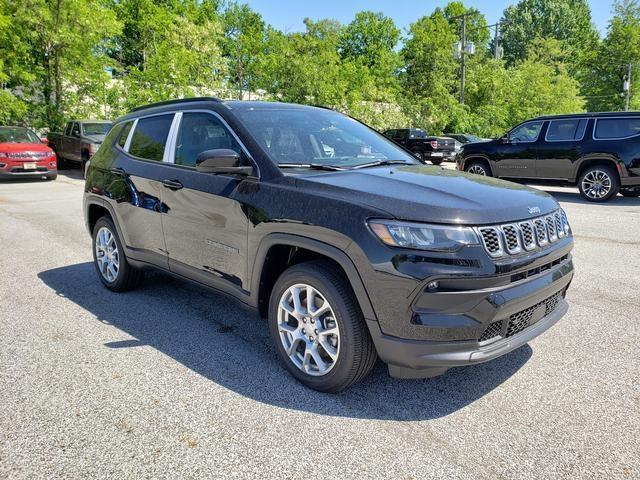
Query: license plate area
29,165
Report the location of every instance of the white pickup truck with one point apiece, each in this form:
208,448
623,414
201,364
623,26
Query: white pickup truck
80,140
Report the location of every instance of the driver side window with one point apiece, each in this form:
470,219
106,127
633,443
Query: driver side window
199,132
527,132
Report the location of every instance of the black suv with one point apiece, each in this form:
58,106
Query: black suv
350,247
600,152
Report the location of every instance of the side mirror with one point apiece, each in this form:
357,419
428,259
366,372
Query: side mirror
505,139
221,160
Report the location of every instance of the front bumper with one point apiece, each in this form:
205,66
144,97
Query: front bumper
504,319
28,173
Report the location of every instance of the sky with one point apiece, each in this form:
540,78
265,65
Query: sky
287,15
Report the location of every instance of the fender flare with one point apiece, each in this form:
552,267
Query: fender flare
322,248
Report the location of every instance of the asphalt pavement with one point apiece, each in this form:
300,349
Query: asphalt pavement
172,381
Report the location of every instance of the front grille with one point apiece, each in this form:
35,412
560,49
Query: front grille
491,241
24,170
513,238
521,320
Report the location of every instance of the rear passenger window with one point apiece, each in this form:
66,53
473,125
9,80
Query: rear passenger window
150,137
617,127
200,132
122,140
566,130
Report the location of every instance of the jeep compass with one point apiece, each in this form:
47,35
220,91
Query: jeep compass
350,247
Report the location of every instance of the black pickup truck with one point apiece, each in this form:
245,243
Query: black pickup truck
423,146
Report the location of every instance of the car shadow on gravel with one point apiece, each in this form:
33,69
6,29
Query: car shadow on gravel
227,343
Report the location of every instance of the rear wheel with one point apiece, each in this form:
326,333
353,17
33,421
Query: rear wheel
419,155
436,160
478,168
112,266
599,183
318,329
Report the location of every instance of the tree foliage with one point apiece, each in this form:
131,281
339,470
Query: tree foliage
62,58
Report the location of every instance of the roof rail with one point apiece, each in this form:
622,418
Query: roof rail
180,100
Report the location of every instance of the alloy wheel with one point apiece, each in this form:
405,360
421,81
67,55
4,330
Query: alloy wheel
477,170
596,184
308,329
107,255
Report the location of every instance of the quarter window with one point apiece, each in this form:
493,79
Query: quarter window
527,132
122,140
566,130
617,127
150,137
200,132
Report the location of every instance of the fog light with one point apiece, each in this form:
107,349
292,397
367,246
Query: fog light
432,286
52,164
2,165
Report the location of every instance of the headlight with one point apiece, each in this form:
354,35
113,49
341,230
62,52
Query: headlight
420,236
565,222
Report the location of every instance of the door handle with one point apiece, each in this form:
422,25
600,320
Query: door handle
118,171
172,184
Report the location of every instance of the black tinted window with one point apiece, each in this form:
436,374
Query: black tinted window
200,132
122,140
527,132
566,130
75,130
150,137
617,127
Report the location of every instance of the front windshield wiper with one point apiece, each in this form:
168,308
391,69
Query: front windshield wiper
378,163
312,166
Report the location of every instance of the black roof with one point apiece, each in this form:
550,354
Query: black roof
589,115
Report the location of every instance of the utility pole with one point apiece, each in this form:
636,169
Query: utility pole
462,53
626,87
496,36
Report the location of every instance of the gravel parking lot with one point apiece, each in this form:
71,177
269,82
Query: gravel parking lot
171,381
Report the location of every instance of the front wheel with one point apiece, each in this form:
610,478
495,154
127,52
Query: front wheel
318,329
112,266
598,183
436,160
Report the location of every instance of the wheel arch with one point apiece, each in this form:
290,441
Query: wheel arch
278,251
594,161
474,157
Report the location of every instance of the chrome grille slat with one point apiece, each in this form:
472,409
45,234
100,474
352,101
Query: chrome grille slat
527,235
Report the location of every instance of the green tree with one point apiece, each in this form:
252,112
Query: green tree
243,46
621,47
568,21
55,53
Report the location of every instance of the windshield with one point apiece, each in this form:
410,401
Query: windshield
308,136
17,135
96,128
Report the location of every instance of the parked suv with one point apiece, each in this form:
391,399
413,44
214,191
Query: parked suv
598,152
346,243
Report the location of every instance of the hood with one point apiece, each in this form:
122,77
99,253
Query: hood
13,147
95,138
433,194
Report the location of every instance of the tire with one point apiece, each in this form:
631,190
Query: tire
599,183
126,276
419,155
478,168
350,354
436,160
51,178
630,193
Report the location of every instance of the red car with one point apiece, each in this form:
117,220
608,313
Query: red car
23,154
